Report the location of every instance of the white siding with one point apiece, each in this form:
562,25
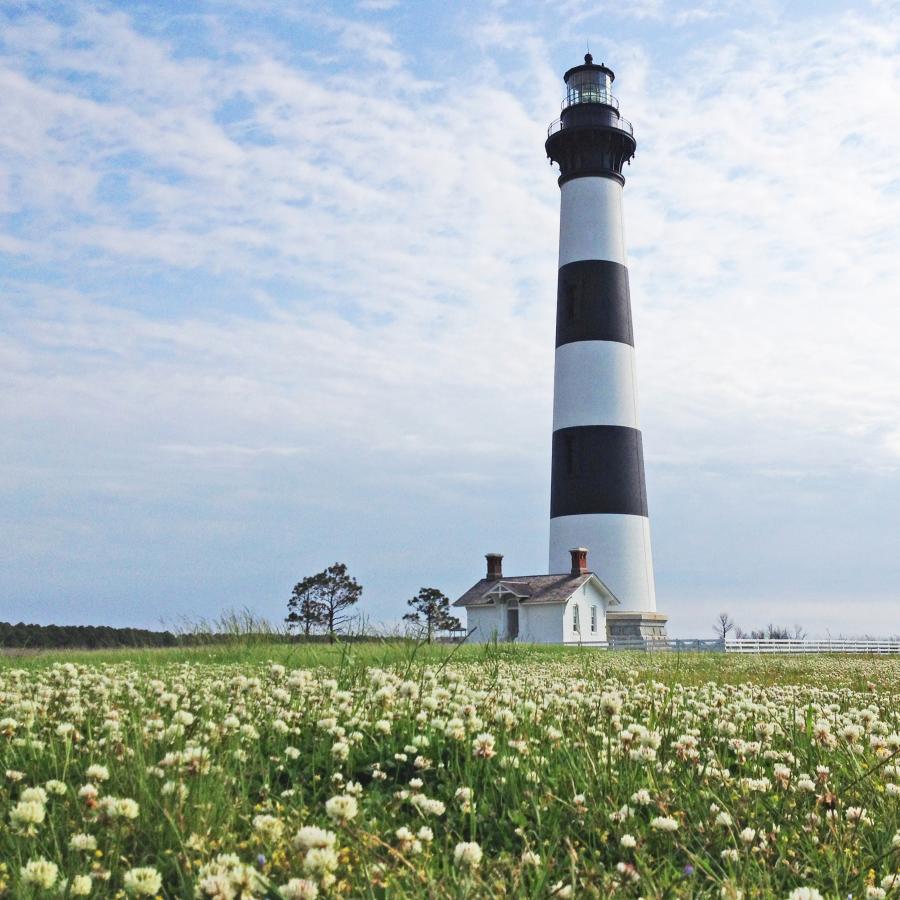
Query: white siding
584,598
486,621
541,624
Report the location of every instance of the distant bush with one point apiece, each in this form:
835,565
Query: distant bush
90,637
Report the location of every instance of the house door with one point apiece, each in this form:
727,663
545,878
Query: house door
512,624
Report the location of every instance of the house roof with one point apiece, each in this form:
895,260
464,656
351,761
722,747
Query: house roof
532,588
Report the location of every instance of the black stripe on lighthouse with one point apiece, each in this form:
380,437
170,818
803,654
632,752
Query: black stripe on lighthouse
597,469
593,302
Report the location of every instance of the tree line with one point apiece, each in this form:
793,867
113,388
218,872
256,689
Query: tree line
725,625
88,637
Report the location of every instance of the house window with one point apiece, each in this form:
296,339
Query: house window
575,625
593,618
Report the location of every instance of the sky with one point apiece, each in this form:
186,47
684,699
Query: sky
277,289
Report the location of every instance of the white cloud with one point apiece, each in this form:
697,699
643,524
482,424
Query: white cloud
377,5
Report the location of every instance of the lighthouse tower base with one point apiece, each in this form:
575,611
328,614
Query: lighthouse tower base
631,626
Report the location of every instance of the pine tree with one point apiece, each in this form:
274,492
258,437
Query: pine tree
432,612
305,611
322,598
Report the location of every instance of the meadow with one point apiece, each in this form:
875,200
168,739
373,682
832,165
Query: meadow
372,770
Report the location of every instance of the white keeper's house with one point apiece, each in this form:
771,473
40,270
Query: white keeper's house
571,608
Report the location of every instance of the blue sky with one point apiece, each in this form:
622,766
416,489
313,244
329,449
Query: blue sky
278,288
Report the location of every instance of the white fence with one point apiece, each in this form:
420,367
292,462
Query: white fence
748,645
789,645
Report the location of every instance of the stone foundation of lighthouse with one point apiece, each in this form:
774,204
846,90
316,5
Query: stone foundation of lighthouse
598,487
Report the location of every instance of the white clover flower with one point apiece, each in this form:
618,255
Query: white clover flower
299,889
56,787
530,858
730,854
27,814
724,818
227,877
748,835
889,882
664,823
39,872
341,808
88,793
82,841
628,841
127,808
408,842
34,793
611,704
620,815
81,886
467,855
97,773
320,860
269,828
455,729
427,806
805,893
312,836
875,893
756,785
483,746
144,881
642,797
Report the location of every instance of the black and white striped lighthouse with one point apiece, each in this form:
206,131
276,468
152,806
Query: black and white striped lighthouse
598,492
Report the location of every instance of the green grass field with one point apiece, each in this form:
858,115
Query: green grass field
397,770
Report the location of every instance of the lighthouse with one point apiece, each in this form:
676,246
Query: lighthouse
598,494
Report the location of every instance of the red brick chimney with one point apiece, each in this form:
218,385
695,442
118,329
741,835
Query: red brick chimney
494,565
579,561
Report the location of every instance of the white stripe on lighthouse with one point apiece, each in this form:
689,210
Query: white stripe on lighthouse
618,551
590,223
593,384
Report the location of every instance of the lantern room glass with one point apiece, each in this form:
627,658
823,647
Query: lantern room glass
589,86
